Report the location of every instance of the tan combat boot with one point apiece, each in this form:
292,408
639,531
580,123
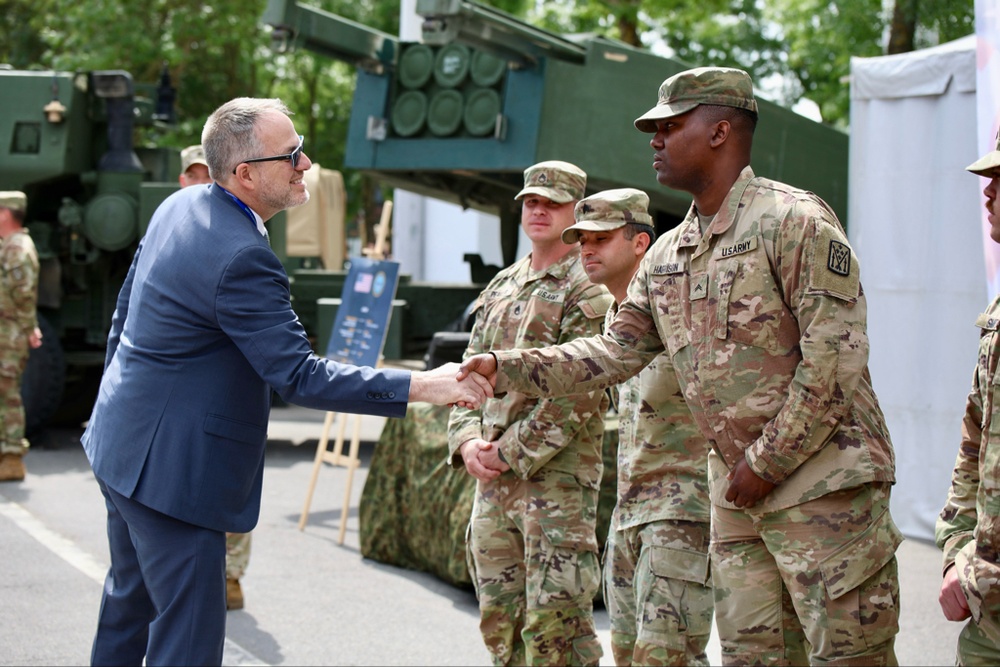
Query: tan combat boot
234,594
11,467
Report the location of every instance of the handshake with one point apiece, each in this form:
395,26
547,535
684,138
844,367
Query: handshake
466,386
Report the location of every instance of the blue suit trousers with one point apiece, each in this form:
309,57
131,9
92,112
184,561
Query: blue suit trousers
165,594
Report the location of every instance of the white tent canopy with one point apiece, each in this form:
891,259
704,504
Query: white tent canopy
914,222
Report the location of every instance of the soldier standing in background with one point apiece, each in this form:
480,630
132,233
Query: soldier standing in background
533,548
19,331
968,529
194,171
656,564
757,299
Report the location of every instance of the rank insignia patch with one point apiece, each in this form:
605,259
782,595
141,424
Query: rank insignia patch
839,259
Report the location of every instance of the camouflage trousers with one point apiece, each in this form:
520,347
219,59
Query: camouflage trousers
812,584
533,558
237,554
979,641
656,587
12,440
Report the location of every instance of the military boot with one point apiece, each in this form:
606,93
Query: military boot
11,467
234,594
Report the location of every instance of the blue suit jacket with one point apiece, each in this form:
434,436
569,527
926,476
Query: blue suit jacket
202,330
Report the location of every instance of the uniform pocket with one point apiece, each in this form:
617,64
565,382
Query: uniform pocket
862,582
679,564
566,574
751,310
674,290
856,562
567,553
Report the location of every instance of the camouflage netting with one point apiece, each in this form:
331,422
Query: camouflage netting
415,508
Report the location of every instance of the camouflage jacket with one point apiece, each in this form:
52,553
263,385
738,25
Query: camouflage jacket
972,511
19,271
521,308
764,320
662,456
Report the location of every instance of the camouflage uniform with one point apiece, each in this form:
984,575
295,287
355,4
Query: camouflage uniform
764,321
19,266
968,529
533,552
237,554
656,565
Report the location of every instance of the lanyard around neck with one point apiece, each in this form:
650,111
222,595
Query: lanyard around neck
243,207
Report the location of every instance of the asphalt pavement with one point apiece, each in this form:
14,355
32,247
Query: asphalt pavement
309,600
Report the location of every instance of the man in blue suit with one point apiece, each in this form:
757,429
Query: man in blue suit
202,332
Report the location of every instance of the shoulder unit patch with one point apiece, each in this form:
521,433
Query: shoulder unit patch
839,258
835,268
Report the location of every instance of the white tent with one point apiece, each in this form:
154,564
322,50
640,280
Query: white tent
914,221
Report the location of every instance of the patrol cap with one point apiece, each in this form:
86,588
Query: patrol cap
559,181
192,155
608,210
13,199
725,86
988,162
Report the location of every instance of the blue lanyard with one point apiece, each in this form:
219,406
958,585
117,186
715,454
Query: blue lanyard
243,207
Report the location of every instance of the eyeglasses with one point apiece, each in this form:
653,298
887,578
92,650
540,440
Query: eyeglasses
293,157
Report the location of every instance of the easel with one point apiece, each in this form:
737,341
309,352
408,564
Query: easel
336,457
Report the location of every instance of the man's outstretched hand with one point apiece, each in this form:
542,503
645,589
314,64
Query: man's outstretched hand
441,386
483,366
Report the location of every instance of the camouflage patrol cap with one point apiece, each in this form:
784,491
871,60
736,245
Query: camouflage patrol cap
608,210
984,165
559,181
725,86
192,155
13,199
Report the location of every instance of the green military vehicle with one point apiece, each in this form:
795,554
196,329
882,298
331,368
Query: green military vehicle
67,143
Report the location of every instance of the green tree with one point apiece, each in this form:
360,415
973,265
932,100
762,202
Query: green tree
821,36
795,48
21,44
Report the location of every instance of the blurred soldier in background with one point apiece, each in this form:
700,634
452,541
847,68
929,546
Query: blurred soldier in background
194,169
19,331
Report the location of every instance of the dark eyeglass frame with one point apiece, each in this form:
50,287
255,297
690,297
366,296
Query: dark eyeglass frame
292,157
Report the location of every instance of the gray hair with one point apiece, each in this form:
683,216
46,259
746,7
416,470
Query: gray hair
230,135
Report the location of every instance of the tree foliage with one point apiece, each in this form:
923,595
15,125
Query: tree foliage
792,48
